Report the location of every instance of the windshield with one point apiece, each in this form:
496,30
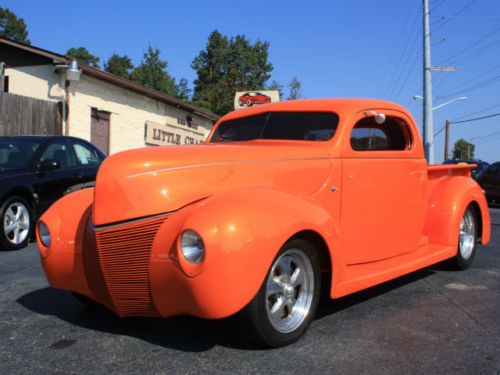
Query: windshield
298,126
16,154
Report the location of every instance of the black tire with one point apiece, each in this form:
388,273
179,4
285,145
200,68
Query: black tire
466,250
8,240
254,320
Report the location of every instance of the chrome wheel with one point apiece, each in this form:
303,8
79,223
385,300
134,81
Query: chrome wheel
290,290
16,223
467,234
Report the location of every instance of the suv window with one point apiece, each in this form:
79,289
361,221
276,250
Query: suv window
58,151
493,169
392,135
298,126
86,155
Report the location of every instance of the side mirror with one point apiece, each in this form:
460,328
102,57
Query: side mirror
48,164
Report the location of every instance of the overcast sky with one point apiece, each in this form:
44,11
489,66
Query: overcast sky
337,48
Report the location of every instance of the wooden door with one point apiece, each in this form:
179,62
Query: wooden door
99,129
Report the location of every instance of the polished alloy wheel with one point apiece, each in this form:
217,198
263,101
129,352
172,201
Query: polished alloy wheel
290,290
16,223
467,234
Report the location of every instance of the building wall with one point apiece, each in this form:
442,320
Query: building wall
39,82
130,111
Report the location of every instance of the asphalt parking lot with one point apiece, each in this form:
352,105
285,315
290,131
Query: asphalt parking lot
430,322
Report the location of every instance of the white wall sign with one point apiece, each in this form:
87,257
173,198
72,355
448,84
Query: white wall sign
173,134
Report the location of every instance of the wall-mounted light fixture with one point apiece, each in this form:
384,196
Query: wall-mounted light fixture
73,71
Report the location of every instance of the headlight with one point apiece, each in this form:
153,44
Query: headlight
192,247
44,234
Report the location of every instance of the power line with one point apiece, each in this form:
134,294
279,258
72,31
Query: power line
476,78
471,46
455,15
476,119
437,5
480,17
388,88
477,53
475,87
477,112
485,136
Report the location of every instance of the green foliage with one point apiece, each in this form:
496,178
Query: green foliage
13,27
152,73
277,87
294,86
81,54
463,150
183,91
228,65
119,65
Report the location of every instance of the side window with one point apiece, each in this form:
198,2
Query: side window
392,135
86,155
493,169
58,151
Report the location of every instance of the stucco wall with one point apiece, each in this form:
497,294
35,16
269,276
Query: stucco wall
39,82
129,112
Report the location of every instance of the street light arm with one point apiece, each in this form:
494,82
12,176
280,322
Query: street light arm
449,102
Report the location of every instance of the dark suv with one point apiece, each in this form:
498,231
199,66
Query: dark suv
35,171
490,182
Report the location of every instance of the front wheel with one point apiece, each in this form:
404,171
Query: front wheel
16,223
287,301
467,241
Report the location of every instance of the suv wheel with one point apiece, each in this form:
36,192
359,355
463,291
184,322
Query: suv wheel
15,223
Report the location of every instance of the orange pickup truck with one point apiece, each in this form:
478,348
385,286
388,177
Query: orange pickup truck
283,200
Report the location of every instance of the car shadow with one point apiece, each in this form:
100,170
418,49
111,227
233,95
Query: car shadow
182,332
329,306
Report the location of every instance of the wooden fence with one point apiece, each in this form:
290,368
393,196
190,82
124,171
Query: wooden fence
21,115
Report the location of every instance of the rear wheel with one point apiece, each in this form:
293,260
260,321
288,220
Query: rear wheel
467,241
16,223
287,301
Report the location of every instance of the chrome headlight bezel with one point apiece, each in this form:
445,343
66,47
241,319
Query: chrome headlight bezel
44,234
192,247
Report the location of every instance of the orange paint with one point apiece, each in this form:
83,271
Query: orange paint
381,214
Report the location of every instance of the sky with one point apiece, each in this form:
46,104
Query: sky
337,48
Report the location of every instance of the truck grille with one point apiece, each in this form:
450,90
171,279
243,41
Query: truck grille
123,253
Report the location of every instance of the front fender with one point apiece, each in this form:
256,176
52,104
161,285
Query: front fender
62,260
242,232
447,203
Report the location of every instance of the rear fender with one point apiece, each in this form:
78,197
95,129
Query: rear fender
448,200
242,232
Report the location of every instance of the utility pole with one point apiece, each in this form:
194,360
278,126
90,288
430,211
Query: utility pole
446,138
427,113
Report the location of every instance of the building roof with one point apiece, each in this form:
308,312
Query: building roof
16,54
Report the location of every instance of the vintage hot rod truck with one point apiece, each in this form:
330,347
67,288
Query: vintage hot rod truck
283,199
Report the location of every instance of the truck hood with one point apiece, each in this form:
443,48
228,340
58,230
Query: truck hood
150,181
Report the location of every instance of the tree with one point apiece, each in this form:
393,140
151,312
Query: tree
119,65
81,54
13,27
463,150
152,73
227,65
277,87
183,91
294,86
